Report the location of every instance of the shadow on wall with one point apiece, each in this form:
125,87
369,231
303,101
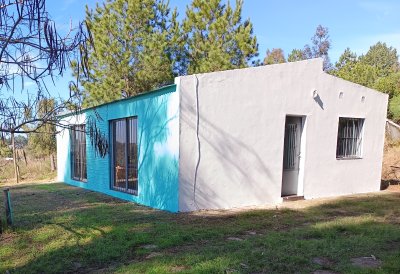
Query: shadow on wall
318,100
157,163
227,149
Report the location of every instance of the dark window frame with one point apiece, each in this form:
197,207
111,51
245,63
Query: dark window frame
349,141
78,161
128,138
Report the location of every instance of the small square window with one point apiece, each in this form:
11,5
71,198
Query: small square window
349,138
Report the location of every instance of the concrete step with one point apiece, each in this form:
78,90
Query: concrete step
291,198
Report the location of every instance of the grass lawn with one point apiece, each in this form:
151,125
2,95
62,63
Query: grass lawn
59,228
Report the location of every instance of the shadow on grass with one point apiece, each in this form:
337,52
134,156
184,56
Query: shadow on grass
64,229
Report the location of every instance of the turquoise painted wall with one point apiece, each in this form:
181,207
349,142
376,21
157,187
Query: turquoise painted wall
158,145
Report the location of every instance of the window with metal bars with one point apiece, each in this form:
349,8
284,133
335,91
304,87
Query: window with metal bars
124,155
78,153
289,156
349,138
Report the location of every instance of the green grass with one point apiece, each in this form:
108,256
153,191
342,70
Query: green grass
59,228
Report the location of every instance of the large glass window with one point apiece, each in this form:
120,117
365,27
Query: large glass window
78,153
349,138
124,155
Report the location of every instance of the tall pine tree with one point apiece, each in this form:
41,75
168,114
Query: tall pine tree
216,38
135,49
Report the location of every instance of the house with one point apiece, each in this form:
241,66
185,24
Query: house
233,138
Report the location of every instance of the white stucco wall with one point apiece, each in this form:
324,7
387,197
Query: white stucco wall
63,143
239,116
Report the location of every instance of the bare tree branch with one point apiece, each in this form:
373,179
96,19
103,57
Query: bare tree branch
31,48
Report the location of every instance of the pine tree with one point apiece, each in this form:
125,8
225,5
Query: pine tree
378,69
135,46
348,58
383,58
216,38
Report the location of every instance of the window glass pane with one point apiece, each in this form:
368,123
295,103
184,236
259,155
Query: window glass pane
78,153
119,153
132,154
83,150
125,155
349,142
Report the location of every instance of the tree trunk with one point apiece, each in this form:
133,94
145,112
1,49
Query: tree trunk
52,162
16,169
24,155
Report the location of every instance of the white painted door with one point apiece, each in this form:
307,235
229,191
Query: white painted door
291,155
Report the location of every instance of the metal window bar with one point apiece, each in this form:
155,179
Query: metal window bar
289,157
349,142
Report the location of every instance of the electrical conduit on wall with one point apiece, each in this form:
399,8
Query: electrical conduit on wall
196,87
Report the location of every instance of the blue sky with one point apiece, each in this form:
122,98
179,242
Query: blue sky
289,24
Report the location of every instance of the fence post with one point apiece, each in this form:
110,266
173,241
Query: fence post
7,205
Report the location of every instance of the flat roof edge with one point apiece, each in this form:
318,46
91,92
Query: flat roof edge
155,92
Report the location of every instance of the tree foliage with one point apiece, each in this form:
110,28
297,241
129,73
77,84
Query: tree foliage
216,38
378,69
383,58
296,55
139,45
359,73
347,59
394,107
389,84
319,48
42,142
5,150
274,56
134,49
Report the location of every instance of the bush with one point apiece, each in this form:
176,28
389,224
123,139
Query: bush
394,108
5,150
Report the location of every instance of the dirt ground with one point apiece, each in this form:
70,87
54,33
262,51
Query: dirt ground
301,204
391,162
